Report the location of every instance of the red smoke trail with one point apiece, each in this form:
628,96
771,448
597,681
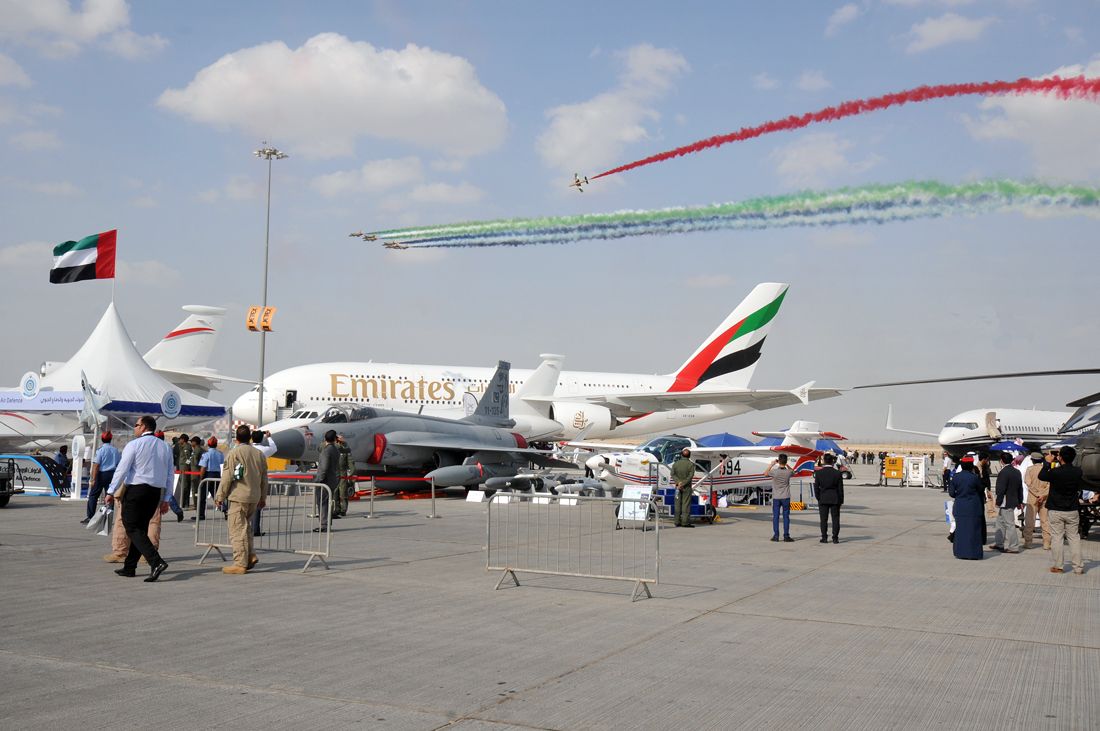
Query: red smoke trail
1077,87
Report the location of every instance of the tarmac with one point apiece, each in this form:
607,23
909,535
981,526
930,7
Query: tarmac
405,631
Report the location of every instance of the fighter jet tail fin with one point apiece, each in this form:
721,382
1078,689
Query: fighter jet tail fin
492,409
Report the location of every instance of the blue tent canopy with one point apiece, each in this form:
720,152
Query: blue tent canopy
1009,447
723,440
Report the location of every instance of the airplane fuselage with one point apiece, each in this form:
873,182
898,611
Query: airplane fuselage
970,430
439,390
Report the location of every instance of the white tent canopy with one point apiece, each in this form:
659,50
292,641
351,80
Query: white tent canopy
115,368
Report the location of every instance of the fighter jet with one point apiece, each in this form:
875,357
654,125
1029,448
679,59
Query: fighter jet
395,245
365,237
578,181
453,452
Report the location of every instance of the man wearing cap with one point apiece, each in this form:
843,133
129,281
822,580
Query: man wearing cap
328,473
104,462
1066,483
683,472
347,472
1037,491
183,466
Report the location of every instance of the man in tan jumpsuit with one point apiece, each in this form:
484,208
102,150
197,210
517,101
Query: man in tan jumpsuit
244,487
1037,491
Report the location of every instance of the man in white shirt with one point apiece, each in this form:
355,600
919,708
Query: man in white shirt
146,470
262,442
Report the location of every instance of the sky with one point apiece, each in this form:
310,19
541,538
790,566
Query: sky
143,117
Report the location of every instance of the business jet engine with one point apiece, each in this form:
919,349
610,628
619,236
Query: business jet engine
575,417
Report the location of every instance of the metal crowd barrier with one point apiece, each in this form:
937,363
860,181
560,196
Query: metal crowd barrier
291,521
572,535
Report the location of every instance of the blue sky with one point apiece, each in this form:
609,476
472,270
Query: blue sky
143,116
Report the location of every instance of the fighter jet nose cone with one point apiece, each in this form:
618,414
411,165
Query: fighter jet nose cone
289,444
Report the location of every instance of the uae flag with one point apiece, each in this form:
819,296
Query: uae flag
93,257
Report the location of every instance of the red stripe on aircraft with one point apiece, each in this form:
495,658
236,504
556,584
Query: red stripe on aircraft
17,416
688,377
188,331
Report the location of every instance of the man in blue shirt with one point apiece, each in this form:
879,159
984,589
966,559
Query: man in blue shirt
104,462
145,468
211,465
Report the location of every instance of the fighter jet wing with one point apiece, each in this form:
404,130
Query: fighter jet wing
627,405
458,443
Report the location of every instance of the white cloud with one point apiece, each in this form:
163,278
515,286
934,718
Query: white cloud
317,100
817,159
813,80
765,81
144,201
61,188
948,28
841,17
35,139
129,44
58,31
28,253
1060,134
11,73
447,193
237,188
594,133
372,177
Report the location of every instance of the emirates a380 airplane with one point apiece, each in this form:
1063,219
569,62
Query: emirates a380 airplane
549,403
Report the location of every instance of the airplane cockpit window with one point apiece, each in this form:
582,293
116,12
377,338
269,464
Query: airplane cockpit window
961,425
344,413
666,449
335,415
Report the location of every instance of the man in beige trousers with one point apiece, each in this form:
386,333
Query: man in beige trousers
1037,491
244,487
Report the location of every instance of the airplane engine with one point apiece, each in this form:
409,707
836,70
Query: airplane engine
574,417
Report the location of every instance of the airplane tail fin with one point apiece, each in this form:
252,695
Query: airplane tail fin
536,394
727,358
802,435
492,409
187,347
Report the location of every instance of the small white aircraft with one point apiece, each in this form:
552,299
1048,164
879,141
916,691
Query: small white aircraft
725,469
578,182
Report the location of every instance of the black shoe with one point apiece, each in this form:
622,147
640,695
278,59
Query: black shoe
179,517
836,540
824,540
156,572
689,525
775,539
320,530
85,521
125,572
788,539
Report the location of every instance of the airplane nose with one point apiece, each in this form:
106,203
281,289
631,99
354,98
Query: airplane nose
289,444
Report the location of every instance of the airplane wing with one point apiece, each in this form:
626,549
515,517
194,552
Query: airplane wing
626,405
208,375
455,443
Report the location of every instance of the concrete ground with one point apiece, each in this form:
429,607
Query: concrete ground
884,630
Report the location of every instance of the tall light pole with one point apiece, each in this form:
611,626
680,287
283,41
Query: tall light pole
269,154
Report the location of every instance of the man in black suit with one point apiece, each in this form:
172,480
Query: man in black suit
1010,494
829,491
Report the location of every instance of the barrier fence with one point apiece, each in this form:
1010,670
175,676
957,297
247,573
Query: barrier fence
296,519
590,537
